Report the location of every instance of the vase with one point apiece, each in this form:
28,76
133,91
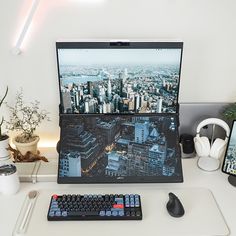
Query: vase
23,148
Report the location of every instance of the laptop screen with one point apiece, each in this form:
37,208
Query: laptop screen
99,78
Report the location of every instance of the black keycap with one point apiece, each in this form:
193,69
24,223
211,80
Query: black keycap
132,213
127,213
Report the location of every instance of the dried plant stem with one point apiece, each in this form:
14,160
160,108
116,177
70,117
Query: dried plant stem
28,157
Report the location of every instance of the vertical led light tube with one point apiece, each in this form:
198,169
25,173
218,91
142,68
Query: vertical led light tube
17,48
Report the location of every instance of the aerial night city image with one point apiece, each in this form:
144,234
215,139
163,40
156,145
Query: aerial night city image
100,81
120,145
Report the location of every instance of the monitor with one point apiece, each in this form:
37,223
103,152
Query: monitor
119,112
119,78
119,149
229,164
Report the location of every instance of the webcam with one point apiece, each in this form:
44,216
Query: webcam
119,44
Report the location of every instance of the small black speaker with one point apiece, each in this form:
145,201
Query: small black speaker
187,143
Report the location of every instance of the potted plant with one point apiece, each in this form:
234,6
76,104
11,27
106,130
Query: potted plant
25,119
229,112
4,139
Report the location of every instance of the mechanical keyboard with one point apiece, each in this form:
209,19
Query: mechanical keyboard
95,207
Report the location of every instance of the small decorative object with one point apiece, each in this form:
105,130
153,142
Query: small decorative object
229,112
4,139
25,119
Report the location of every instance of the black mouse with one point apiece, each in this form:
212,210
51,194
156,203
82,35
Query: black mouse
174,206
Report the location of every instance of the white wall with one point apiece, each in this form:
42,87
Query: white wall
207,27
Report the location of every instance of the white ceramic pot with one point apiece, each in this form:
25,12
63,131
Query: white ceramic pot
4,153
25,147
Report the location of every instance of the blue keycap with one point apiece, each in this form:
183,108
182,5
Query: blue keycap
119,200
54,208
51,213
64,213
121,213
108,213
58,213
114,213
132,205
102,213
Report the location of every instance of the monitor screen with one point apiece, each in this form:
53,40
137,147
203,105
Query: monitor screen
229,164
108,78
119,148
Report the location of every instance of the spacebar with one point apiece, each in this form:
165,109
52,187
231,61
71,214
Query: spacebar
83,213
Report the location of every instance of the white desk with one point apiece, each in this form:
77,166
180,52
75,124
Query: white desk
217,182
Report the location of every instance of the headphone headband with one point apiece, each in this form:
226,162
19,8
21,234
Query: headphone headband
214,121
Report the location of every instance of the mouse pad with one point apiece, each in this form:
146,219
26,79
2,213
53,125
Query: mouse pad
202,215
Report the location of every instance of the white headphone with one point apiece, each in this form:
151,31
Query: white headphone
210,154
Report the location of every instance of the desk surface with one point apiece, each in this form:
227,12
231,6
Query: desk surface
217,182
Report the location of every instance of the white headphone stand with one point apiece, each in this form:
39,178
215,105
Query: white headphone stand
210,151
208,163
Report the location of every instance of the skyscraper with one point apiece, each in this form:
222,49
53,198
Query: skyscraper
104,107
141,132
67,103
71,165
121,87
159,104
136,102
109,89
77,99
86,106
90,87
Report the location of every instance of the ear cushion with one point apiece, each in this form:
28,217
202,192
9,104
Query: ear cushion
218,148
202,146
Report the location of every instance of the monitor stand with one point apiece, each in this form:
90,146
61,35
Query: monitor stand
232,180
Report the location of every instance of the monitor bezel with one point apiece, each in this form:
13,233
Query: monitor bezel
222,168
126,179
117,45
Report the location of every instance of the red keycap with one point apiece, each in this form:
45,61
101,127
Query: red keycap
54,196
118,206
